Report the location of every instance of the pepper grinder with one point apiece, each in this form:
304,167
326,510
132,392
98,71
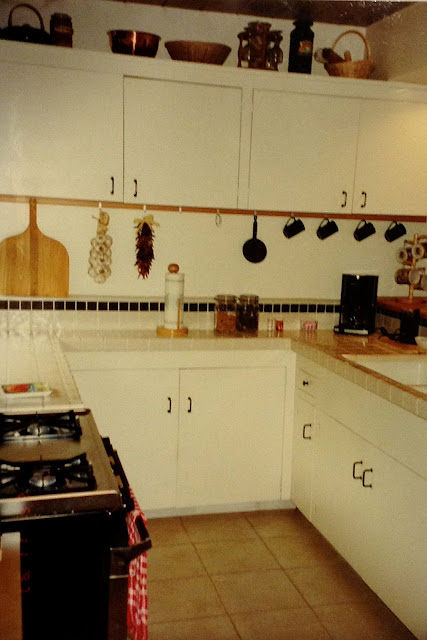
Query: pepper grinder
174,304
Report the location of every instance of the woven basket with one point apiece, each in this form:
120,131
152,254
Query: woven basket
352,69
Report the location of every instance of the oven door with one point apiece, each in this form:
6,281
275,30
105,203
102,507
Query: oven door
121,557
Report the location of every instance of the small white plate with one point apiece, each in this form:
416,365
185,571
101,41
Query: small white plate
26,390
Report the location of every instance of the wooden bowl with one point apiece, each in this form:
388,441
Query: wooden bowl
205,52
134,43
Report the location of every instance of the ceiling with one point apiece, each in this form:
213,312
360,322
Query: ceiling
361,13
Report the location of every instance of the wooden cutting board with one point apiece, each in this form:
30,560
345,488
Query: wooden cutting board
31,264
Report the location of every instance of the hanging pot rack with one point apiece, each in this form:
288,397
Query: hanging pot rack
209,210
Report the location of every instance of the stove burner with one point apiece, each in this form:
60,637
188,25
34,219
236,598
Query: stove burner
42,426
46,477
42,479
35,429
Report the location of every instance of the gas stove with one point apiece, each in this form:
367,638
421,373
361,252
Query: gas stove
54,464
62,487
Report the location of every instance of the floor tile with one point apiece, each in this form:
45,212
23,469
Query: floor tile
218,628
174,561
362,619
284,624
223,526
270,524
328,583
235,555
182,599
167,531
256,591
305,550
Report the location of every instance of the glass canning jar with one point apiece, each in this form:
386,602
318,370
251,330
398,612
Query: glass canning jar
248,314
225,313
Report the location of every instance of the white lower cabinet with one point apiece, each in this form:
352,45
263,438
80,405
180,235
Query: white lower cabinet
373,510
231,436
354,477
193,437
302,454
138,411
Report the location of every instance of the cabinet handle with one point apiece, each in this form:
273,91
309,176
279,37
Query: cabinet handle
112,185
308,424
189,405
344,204
363,478
170,404
365,197
305,383
135,191
354,470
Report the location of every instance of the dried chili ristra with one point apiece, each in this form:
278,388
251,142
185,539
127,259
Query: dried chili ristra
144,244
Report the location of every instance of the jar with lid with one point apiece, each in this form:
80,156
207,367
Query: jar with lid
225,313
248,314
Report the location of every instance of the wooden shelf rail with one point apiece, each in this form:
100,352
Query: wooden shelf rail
210,210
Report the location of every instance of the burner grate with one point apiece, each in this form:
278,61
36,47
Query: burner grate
42,426
46,477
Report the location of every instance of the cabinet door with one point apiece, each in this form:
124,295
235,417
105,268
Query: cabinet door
392,158
377,521
138,411
302,455
182,143
231,436
61,133
303,152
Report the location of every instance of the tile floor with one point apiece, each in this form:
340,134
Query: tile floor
265,575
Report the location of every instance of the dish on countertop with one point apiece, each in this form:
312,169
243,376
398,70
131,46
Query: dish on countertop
26,390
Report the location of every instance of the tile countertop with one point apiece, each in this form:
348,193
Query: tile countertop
37,359
325,348
42,359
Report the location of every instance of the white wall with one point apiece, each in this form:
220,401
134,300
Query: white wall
211,256
398,45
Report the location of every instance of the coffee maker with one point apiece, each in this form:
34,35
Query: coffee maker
358,304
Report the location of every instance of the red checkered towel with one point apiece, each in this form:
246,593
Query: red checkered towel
137,609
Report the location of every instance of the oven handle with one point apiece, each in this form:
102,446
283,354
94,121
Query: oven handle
122,556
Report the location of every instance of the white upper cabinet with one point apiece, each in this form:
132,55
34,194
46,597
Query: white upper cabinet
307,152
182,143
391,172
303,152
61,133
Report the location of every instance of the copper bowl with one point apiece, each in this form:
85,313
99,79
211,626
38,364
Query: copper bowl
134,43
207,52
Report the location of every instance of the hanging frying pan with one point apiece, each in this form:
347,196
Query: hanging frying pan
254,249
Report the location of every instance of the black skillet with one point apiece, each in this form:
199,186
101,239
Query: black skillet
254,249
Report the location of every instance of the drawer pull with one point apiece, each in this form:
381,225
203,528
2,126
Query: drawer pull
170,404
135,191
369,486
365,197
190,405
308,424
354,470
112,185
344,204
305,383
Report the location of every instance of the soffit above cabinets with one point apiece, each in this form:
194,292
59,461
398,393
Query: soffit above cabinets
361,13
